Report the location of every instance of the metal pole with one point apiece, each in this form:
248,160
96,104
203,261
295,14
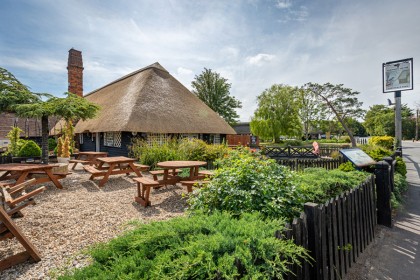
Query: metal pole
417,125
398,125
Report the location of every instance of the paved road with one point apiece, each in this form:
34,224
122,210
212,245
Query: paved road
395,253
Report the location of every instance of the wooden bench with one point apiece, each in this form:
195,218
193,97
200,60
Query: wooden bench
190,184
142,167
76,161
143,190
9,230
15,198
93,171
156,173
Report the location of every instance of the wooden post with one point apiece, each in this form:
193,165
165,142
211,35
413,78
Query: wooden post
314,239
383,204
390,161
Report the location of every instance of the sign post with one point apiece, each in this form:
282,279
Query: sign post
396,77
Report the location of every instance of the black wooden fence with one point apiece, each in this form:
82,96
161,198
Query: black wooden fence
335,233
300,151
299,164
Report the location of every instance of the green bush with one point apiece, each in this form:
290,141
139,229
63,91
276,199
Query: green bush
345,139
192,149
196,247
293,142
30,149
184,149
400,187
384,141
347,167
376,152
318,184
52,144
401,167
245,183
151,154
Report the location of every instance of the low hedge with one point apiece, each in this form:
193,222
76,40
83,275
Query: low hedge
196,247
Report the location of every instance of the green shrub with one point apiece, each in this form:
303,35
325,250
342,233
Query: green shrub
151,154
384,141
30,149
376,152
401,167
52,143
293,142
196,247
318,184
245,183
400,187
192,149
15,142
347,167
345,139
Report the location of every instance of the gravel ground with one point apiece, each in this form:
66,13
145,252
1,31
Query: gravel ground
66,221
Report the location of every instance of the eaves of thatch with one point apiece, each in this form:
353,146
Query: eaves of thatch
151,100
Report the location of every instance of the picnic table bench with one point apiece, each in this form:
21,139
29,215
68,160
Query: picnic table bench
113,166
15,198
85,158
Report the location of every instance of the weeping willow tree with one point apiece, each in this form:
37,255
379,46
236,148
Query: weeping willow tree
277,113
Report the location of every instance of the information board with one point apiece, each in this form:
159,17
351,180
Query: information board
398,75
357,157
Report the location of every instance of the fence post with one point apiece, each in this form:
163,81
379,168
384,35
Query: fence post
398,152
314,239
390,161
383,193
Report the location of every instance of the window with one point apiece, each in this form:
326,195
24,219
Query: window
215,138
81,138
159,138
112,139
190,135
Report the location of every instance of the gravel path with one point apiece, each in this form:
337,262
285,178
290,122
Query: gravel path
63,222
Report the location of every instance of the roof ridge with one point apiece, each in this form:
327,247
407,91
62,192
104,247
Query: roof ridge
155,65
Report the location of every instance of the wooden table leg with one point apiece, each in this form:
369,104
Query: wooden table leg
135,170
106,176
22,177
53,178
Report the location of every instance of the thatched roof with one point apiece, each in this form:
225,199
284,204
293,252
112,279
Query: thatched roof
151,100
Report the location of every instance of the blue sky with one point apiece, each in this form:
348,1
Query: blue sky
252,43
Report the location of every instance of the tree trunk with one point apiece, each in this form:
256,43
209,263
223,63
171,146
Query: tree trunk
45,133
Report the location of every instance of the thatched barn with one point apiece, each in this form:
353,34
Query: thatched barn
151,104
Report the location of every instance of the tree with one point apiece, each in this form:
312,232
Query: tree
25,103
379,121
214,91
310,110
341,101
277,113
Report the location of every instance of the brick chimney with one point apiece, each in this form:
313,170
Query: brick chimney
75,72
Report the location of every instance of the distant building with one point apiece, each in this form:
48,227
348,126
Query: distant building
243,136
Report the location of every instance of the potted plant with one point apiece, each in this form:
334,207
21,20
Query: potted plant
64,144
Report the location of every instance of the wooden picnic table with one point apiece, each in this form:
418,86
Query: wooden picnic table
112,166
173,165
87,158
170,177
22,172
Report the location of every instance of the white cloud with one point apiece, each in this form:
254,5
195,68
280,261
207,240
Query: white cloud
284,4
230,52
260,59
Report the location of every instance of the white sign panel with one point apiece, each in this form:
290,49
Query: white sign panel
398,75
